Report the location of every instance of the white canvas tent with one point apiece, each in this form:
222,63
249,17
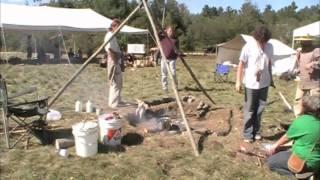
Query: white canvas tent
230,51
19,17
312,29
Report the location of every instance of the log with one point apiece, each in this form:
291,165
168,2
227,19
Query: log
64,143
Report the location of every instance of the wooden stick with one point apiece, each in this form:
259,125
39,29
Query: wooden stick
15,132
285,101
195,79
85,64
174,87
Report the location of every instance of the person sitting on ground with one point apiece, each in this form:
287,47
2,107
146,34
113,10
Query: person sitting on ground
305,132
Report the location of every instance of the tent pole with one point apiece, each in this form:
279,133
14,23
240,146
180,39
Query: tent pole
35,45
174,86
85,64
64,45
4,44
292,46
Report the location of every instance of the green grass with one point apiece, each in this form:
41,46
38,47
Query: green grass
158,157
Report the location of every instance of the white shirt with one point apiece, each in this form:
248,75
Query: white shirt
256,59
113,43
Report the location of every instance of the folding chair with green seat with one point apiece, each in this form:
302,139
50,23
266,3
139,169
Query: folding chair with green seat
22,119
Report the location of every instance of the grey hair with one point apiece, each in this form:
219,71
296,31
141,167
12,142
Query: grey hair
311,105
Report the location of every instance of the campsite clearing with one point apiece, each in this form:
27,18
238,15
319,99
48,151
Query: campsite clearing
159,156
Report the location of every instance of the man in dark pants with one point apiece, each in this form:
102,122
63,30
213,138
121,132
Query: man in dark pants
255,71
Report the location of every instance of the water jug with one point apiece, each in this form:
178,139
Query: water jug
89,107
78,106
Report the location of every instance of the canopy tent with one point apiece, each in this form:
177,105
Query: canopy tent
19,17
283,58
312,29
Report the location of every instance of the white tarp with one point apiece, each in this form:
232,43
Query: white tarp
19,17
312,29
283,55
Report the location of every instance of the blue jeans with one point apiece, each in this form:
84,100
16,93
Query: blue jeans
255,101
279,163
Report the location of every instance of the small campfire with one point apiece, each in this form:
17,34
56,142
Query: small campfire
153,121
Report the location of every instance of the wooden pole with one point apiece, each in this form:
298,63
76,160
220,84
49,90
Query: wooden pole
285,101
196,80
174,87
85,64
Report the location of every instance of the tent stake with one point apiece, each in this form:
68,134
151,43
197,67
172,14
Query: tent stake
85,64
174,87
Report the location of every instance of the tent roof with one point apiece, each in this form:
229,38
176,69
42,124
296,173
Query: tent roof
312,29
18,17
237,43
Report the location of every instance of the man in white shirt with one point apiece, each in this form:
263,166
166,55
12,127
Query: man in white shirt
255,71
114,70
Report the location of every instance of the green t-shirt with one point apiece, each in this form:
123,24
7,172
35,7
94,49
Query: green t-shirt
305,131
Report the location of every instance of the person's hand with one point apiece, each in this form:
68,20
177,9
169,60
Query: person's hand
272,150
272,84
238,87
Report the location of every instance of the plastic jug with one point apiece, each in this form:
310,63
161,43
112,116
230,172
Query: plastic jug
89,107
78,106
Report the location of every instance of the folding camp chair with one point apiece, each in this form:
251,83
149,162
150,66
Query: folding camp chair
221,73
21,120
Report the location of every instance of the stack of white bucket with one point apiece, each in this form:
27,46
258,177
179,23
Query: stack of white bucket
110,130
86,138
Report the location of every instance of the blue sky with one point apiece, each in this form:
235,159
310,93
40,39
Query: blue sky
195,6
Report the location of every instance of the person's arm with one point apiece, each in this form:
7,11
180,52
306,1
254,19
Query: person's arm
113,54
154,49
239,76
283,140
270,72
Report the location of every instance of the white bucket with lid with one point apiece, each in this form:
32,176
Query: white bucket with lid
86,138
110,130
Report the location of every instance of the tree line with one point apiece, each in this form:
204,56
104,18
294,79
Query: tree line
212,26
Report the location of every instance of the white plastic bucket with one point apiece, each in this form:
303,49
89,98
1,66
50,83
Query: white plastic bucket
86,138
110,130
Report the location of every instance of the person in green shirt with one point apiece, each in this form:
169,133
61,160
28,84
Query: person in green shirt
305,132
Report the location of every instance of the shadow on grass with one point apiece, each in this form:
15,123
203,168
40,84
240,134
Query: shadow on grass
273,101
130,139
48,137
276,136
198,89
108,149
